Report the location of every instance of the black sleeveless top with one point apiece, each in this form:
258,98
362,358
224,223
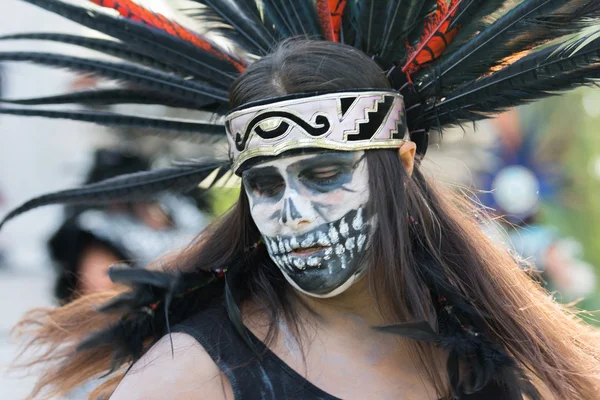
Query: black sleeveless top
268,378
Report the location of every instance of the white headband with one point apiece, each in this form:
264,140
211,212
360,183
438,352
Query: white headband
346,121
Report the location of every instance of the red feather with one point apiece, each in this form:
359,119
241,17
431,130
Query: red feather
435,39
132,10
324,13
337,11
330,16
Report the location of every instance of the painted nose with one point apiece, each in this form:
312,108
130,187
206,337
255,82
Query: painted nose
289,212
295,210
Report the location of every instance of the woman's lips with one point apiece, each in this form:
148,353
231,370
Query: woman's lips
307,251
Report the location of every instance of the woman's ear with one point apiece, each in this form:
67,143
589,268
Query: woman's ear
407,156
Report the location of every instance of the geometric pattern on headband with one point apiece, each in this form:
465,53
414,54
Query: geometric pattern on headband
346,121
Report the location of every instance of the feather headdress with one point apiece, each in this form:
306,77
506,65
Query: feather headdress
452,60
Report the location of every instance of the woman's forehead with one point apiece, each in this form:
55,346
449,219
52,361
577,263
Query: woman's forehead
284,161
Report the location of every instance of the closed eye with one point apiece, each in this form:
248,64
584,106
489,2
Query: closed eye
326,178
323,175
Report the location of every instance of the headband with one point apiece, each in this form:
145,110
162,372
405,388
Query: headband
346,121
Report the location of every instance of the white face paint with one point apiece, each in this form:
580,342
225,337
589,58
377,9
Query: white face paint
311,212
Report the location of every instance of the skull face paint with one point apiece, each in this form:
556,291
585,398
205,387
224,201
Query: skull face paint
311,212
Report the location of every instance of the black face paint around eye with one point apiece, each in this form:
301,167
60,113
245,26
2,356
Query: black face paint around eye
265,182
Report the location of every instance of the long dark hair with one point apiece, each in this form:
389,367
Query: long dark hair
428,245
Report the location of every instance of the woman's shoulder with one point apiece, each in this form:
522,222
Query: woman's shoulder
176,367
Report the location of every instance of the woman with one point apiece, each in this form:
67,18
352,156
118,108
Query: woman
340,272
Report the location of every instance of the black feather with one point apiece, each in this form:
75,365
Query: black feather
538,75
150,286
148,310
152,80
473,16
140,276
306,13
371,25
350,25
172,50
131,187
277,14
107,97
276,18
240,21
402,19
414,36
298,17
128,301
105,46
114,119
125,336
532,23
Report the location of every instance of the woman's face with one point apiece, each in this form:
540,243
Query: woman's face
311,212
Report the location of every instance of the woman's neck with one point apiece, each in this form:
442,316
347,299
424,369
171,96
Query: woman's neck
354,306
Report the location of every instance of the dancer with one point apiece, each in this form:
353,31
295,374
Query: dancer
341,272
92,238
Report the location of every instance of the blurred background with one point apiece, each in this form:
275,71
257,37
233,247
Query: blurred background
537,167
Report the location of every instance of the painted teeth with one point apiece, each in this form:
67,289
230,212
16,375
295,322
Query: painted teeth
294,243
287,262
280,261
286,244
349,244
339,249
281,248
322,239
344,228
333,234
299,263
309,241
357,222
313,262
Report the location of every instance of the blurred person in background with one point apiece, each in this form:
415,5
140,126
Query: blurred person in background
92,238
337,237
522,172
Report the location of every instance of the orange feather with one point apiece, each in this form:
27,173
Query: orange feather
337,11
133,11
330,17
324,14
435,39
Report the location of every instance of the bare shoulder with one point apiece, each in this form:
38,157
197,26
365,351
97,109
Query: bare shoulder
178,375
